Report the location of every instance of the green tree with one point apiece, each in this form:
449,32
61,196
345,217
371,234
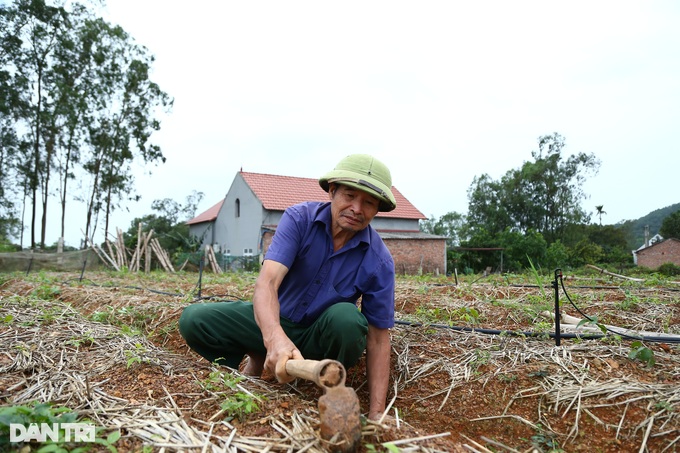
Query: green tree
120,128
585,252
175,212
556,256
487,207
543,195
9,142
32,30
452,225
670,226
519,248
79,99
613,242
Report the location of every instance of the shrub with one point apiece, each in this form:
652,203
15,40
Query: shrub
669,269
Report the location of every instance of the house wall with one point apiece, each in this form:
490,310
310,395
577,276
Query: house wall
667,251
380,223
202,230
241,230
418,256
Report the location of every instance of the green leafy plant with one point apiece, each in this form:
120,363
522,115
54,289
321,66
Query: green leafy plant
236,405
482,357
664,406
592,321
84,339
629,302
537,276
136,355
47,292
544,441
239,405
467,314
640,352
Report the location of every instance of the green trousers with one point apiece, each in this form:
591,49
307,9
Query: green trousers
223,332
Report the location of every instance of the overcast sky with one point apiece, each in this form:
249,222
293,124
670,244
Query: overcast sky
441,91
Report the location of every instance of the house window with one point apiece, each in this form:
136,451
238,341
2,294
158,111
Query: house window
247,252
238,208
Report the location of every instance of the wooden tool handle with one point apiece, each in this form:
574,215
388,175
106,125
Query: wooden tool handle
324,373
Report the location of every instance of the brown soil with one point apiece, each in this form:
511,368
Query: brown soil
452,389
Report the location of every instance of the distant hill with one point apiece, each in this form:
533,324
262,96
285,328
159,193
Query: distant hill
636,228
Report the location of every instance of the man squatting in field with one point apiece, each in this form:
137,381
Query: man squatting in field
323,257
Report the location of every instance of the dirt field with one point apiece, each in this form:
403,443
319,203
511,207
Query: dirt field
108,347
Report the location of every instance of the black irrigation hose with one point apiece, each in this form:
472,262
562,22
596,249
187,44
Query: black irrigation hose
659,339
557,335
514,333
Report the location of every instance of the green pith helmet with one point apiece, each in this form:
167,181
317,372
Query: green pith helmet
365,173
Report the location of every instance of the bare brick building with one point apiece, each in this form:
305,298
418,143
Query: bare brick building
667,251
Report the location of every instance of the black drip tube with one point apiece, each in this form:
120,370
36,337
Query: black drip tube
517,333
557,335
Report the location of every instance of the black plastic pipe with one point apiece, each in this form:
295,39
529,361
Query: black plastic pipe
516,333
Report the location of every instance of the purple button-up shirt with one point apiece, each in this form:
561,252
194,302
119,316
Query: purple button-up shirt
318,277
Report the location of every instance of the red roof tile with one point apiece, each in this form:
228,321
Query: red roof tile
209,215
278,192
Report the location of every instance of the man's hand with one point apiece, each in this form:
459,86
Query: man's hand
280,350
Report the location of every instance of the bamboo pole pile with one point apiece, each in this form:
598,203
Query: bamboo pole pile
162,255
212,259
116,254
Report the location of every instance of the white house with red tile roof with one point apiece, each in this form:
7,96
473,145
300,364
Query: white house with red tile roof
243,223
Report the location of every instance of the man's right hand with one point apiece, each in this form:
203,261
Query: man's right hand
280,351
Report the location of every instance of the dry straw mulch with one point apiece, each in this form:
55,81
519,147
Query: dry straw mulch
50,353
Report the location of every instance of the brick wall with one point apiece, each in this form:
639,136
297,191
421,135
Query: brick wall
654,256
418,256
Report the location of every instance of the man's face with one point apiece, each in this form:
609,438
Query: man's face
352,209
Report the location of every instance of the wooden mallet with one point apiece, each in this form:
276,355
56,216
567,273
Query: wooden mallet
339,410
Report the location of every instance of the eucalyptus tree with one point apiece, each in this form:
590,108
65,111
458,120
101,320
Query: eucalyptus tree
451,225
83,106
30,35
8,139
73,67
121,118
